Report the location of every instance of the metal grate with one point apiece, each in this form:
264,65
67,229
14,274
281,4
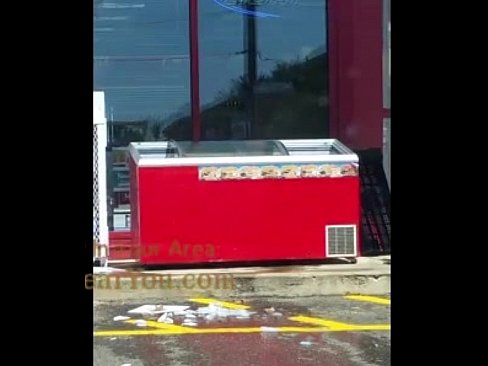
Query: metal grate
375,205
341,240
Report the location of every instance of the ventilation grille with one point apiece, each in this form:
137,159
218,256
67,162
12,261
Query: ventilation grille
340,240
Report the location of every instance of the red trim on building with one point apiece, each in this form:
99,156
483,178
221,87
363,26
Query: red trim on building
356,90
334,65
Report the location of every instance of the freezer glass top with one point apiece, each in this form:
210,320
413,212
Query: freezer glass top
231,148
165,152
157,150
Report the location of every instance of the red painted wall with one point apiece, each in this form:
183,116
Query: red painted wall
355,46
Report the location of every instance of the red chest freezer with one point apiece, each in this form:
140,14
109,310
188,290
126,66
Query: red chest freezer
228,201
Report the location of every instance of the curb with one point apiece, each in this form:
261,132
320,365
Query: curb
317,282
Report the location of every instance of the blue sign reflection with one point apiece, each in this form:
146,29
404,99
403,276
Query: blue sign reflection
240,10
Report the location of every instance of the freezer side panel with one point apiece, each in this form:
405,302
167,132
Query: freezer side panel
134,201
193,221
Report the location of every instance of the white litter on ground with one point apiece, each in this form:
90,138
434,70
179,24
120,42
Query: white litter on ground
107,270
277,313
269,329
120,318
166,313
219,311
190,324
175,308
147,310
161,309
166,318
185,312
306,343
141,323
163,317
210,317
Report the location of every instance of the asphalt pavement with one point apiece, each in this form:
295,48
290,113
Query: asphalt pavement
273,331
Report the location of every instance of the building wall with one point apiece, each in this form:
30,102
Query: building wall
387,89
316,69
356,44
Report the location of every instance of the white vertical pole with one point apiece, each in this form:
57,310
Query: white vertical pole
100,144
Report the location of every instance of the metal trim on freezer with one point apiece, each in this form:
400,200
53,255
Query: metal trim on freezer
292,147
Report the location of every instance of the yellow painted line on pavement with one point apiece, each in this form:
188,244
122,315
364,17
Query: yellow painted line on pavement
179,328
321,326
321,322
122,333
338,326
224,304
142,332
373,299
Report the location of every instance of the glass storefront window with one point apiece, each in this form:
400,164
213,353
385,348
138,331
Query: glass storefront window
263,74
141,63
263,69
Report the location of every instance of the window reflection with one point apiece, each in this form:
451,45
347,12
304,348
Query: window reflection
262,77
141,63
291,90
